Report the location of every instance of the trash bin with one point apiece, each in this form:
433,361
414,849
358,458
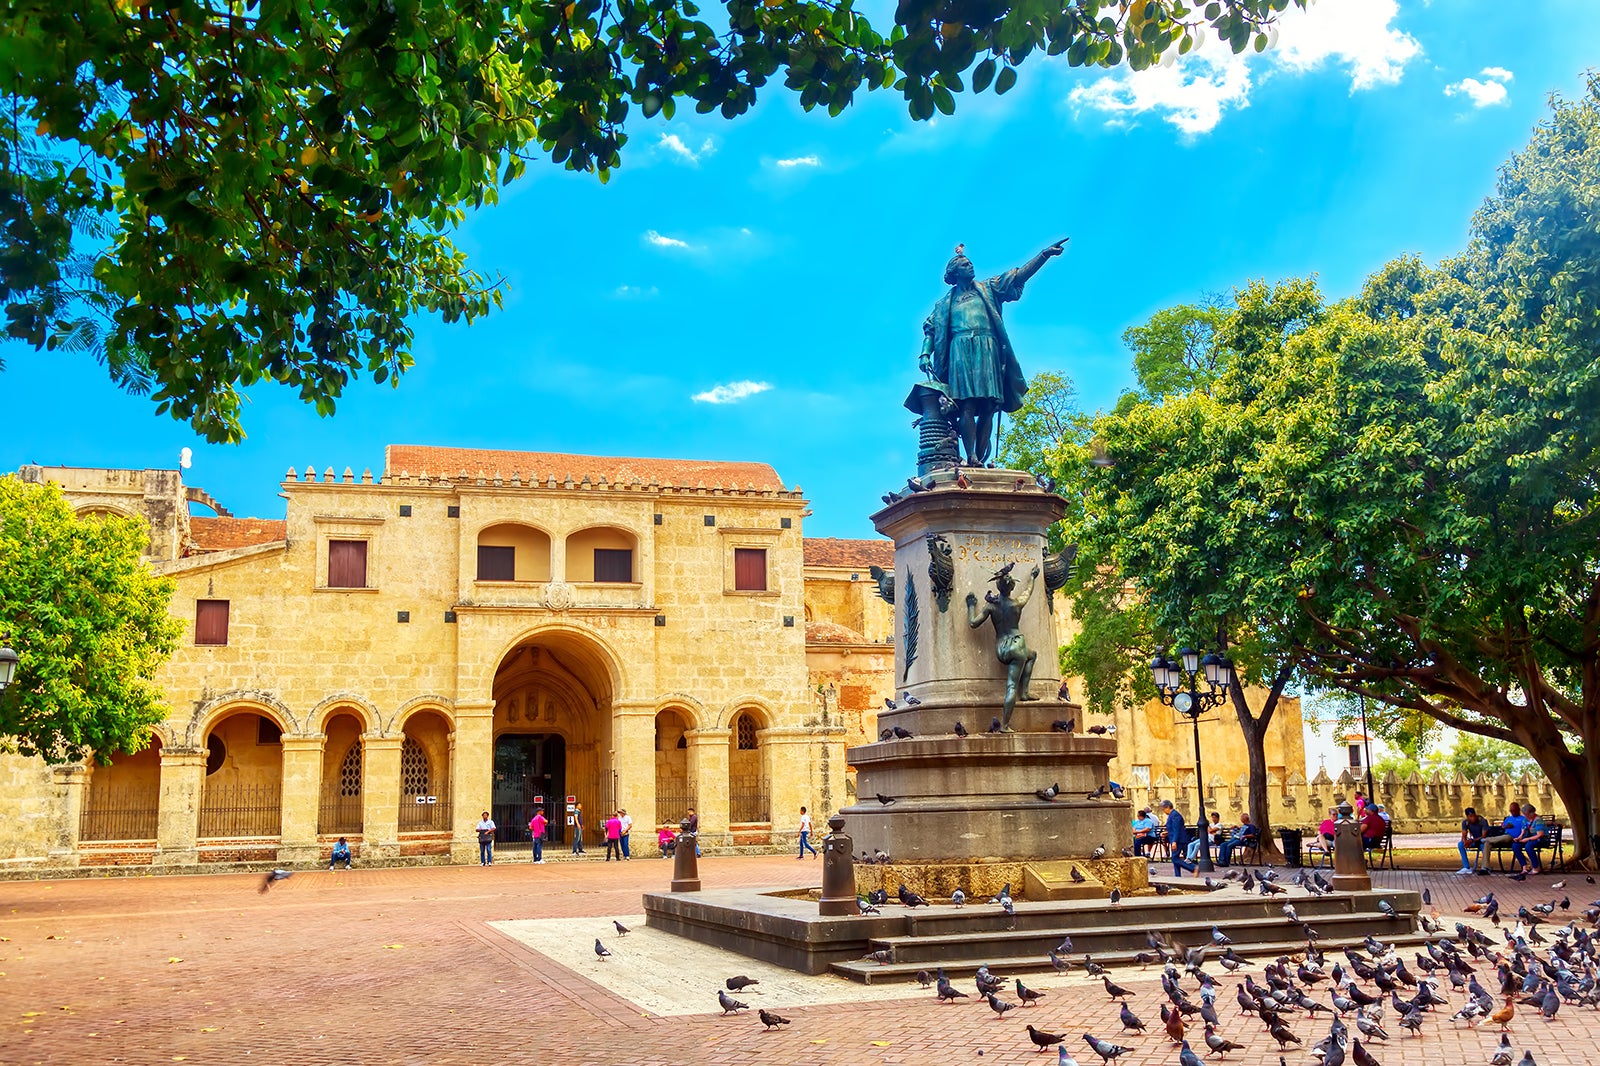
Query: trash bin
1291,845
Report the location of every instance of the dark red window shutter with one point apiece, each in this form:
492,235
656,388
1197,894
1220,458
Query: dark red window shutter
211,621
750,569
613,565
496,563
347,564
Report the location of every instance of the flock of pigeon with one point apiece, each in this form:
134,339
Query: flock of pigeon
1357,989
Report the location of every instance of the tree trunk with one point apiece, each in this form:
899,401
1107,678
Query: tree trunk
1255,741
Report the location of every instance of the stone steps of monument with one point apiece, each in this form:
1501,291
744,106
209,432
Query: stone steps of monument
1118,962
1245,932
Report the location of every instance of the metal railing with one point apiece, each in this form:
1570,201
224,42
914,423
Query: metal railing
424,817
747,800
241,811
339,814
674,797
112,813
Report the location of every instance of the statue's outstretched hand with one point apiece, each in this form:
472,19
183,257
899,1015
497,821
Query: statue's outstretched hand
1056,248
972,600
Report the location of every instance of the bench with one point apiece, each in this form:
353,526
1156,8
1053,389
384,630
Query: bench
1552,842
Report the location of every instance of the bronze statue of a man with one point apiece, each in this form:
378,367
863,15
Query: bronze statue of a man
965,348
1011,647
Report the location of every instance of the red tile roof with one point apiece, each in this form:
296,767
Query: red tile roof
830,551
832,633
416,458
219,534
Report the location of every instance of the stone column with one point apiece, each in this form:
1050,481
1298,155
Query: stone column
301,799
471,776
788,760
1349,861
708,769
69,802
183,774
380,795
633,757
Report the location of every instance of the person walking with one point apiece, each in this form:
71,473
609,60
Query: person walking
614,837
1177,839
486,841
1474,841
805,835
536,826
627,828
577,829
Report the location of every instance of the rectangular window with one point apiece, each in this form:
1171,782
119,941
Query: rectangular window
211,621
1355,755
750,569
347,564
614,565
496,563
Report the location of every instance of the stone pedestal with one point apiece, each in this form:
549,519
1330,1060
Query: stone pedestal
686,864
964,811
838,877
1349,859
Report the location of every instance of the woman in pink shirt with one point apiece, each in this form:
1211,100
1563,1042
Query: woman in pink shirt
614,837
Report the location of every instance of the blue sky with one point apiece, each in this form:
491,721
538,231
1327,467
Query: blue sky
800,253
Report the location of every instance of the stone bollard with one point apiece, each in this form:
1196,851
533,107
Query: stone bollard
838,871
1349,860
685,861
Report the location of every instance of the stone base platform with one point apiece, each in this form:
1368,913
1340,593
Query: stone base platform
937,881
782,926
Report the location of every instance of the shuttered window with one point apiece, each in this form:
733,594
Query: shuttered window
750,569
347,564
614,565
211,621
496,563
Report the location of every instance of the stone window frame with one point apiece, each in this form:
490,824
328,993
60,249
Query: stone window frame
348,527
734,537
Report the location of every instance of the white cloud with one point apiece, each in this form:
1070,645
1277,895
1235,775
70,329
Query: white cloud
635,292
674,146
799,161
1484,93
662,241
1193,92
732,392
1191,95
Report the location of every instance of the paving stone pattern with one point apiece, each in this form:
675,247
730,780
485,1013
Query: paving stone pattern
403,966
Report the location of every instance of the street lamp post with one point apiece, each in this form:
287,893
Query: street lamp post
1179,686
1366,750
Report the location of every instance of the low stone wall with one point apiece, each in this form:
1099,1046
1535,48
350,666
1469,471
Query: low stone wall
1417,804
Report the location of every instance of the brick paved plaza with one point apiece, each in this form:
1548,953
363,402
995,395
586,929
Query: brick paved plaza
402,966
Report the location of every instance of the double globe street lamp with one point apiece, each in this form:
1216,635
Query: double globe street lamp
1179,686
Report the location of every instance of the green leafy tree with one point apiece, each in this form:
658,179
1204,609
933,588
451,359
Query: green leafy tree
1472,755
89,621
1402,484
1177,350
207,195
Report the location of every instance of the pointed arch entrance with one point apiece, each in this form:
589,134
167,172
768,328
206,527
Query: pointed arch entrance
553,737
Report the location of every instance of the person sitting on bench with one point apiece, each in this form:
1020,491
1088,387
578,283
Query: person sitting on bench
1247,835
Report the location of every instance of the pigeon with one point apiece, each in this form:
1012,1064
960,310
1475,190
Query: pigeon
1361,1056
1219,938
1104,1048
1000,1006
885,800
1116,895
274,876
901,733
1115,991
1063,725
1527,1058
886,734
1028,996
770,1020
1077,876
995,726
1048,794
729,1004
959,898
740,983
909,700
889,705
947,991
1187,1057
1098,853
924,979
882,957
880,857
960,730
1386,908
1098,730
1218,1044
1502,1054
1130,1021
1427,897
622,930
600,949
911,899
1043,1039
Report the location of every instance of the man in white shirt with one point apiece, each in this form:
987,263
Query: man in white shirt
805,835
627,827
486,841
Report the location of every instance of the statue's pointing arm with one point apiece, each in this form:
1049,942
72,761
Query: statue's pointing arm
1031,267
